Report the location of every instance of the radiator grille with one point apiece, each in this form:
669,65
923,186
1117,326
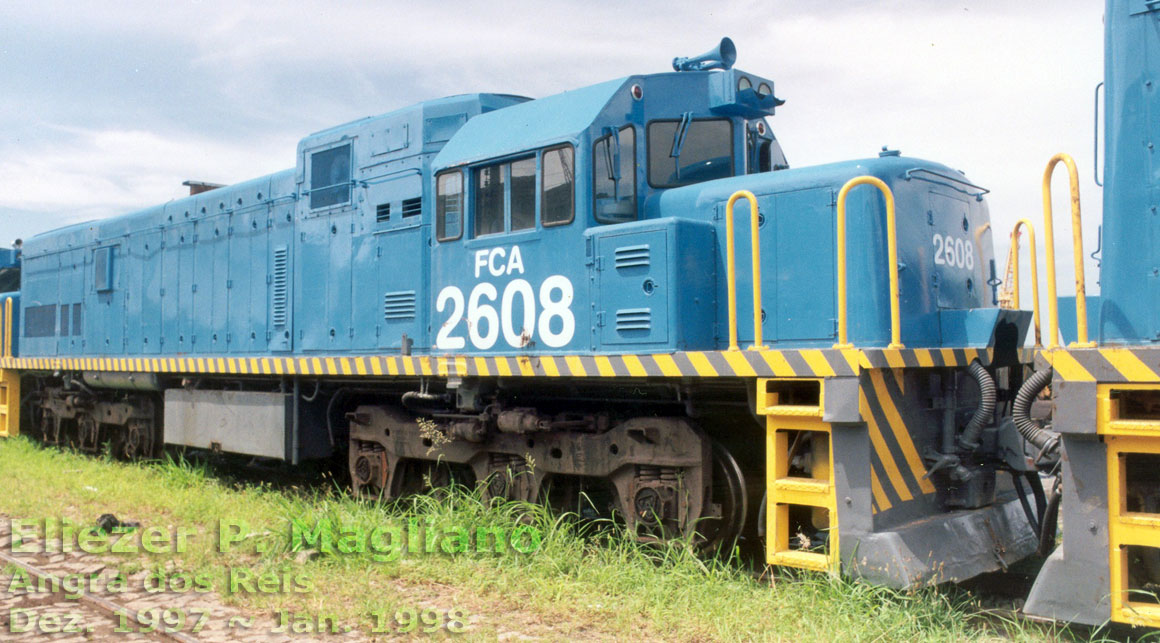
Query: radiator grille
632,256
413,207
399,305
281,294
634,319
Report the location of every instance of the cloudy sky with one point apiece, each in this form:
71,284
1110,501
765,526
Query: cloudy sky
108,107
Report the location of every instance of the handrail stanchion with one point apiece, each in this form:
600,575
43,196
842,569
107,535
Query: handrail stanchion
1034,274
1013,259
892,251
731,269
8,327
1077,249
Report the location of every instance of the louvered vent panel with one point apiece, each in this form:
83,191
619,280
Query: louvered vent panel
383,212
412,207
632,256
634,319
281,291
399,305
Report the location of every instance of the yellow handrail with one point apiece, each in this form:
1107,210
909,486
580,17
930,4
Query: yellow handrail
7,327
1077,249
892,249
732,272
1034,274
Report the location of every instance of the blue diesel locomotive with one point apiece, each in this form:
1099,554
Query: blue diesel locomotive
549,296
621,294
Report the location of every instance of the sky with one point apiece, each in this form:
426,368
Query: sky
107,107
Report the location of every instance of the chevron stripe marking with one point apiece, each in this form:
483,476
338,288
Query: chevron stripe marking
1068,367
901,435
883,452
1129,365
817,362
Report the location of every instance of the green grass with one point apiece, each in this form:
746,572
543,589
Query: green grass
584,580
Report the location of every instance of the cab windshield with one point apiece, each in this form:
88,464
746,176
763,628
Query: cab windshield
683,152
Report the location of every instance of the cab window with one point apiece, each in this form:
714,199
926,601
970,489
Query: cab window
683,152
614,176
507,196
449,205
490,189
558,203
523,194
505,188
764,152
330,177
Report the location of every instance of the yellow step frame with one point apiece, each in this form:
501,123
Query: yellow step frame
784,490
9,403
1125,529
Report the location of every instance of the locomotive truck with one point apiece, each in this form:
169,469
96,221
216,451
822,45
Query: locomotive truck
622,299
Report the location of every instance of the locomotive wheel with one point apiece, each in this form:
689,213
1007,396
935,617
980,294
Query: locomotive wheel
88,433
136,441
721,532
52,428
45,426
429,477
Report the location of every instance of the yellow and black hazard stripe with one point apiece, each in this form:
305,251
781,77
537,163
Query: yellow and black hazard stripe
897,472
743,363
1107,364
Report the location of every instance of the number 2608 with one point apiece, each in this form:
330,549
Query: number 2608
953,252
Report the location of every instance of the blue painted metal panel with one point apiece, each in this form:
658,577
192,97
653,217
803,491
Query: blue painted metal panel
186,304
72,291
279,302
1130,273
169,291
1067,319
339,282
149,297
253,279
219,283
401,293
976,326
8,258
801,266
528,125
654,285
868,294
633,286
364,304
107,325
132,269
201,290
312,252
247,251
541,273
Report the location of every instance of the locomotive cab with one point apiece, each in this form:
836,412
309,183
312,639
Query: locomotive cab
533,201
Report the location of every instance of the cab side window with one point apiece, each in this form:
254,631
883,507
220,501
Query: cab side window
523,194
507,196
558,203
449,205
614,176
490,189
